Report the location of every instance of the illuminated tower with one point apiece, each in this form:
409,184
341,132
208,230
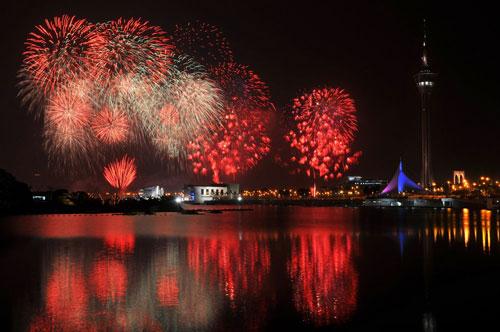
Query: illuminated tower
425,80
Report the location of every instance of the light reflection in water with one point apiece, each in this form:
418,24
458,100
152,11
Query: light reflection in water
465,224
325,282
221,271
237,266
460,229
109,279
122,282
66,294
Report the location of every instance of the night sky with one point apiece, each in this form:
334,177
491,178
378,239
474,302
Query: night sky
370,49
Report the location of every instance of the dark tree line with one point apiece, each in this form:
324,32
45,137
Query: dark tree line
14,195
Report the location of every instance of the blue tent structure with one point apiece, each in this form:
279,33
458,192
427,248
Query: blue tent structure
400,182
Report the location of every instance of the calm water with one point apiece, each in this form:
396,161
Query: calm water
270,268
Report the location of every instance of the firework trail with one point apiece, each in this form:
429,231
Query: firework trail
202,41
120,173
324,128
242,139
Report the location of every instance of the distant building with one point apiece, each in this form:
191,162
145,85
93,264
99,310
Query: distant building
155,192
203,193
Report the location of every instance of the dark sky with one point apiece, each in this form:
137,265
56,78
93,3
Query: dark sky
370,48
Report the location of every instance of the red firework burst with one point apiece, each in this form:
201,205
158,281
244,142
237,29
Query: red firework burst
111,126
324,128
58,51
133,47
121,173
242,139
241,86
202,41
66,121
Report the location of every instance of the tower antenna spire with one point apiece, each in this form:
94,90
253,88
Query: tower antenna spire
424,48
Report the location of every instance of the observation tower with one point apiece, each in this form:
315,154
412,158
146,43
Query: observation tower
425,80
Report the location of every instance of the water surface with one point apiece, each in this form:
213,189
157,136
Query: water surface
269,268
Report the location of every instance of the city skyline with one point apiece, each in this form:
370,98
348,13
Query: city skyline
385,111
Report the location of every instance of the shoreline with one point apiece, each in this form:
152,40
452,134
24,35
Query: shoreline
224,206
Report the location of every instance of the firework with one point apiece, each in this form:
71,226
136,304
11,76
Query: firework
242,87
324,128
242,139
133,62
66,125
202,41
110,126
184,105
192,105
121,173
59,51
133,47
122,82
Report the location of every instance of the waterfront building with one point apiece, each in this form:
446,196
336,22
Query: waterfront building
203,193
